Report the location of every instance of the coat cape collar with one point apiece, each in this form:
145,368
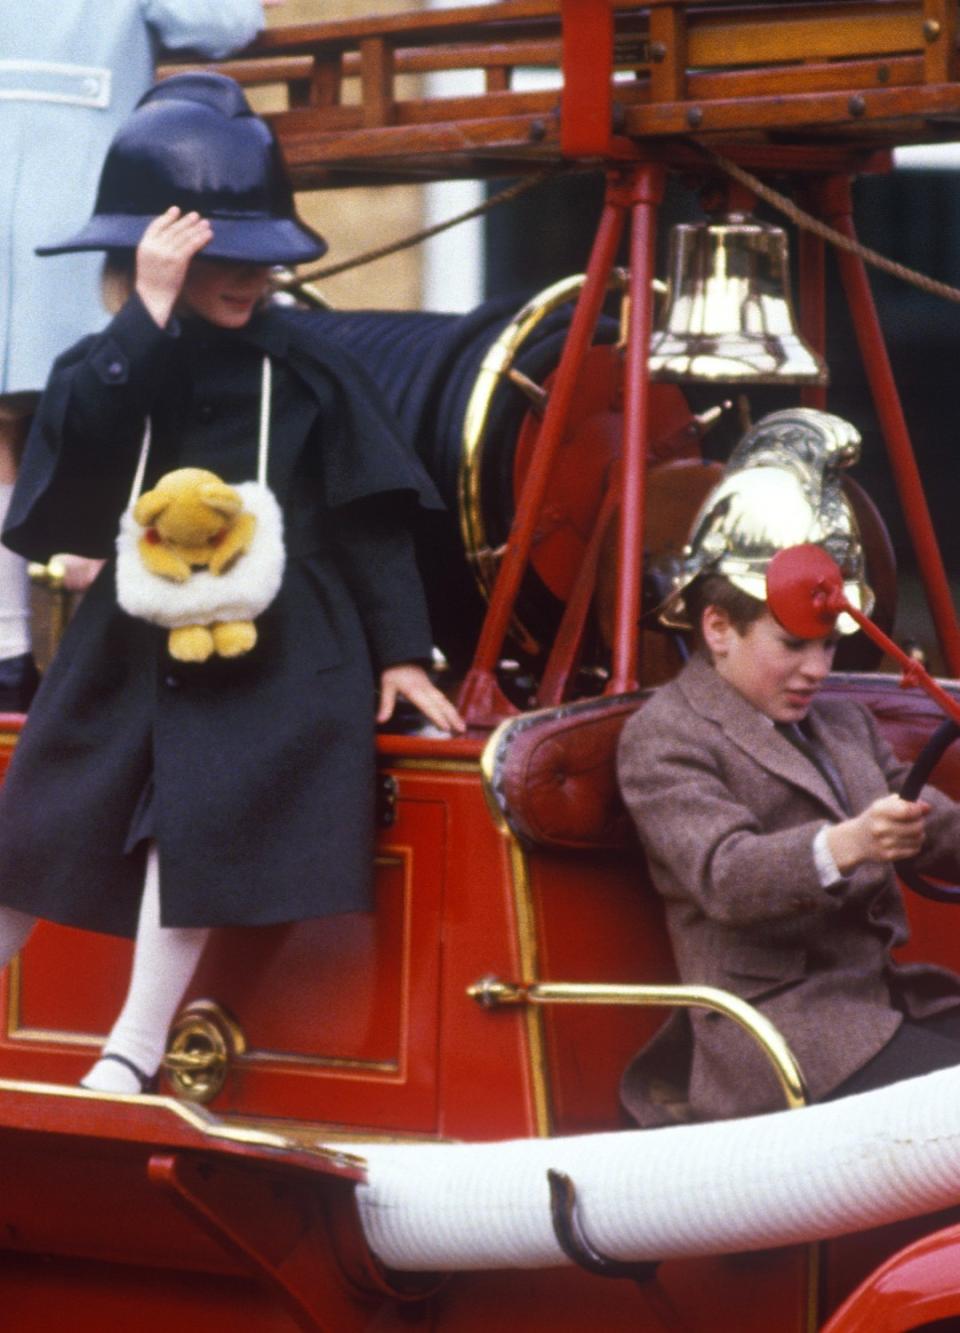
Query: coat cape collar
371,457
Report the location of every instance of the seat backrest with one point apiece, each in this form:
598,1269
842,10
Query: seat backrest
553,772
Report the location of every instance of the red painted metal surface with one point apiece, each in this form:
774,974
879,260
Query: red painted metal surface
647,186
837,209
587,108
361,1019
467,1073
475,695
918,1285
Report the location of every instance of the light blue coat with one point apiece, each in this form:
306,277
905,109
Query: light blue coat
71,71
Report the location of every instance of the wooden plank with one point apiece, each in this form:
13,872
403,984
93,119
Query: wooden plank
518,18
789,80
496,78
307,145
718,87
860,67
940,36
376,81
407,60
801,111
421,111
794,34
326,85
480,161
760,29
668,53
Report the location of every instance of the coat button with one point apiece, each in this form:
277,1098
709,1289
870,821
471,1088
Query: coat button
205,412
115,369
172,682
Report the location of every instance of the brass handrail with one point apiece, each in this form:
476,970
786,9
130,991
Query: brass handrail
491,992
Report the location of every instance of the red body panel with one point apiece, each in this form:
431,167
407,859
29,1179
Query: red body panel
127,1213
364,1024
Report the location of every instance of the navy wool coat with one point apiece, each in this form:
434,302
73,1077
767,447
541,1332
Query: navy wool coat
255,775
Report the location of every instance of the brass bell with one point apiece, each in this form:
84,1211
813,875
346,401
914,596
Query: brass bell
727,314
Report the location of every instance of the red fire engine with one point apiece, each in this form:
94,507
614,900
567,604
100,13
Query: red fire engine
411,1118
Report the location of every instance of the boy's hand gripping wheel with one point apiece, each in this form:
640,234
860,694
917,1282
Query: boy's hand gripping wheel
805,594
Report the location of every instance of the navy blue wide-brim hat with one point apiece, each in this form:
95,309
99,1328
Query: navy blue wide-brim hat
194,142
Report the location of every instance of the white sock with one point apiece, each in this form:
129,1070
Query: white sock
164,960
15,928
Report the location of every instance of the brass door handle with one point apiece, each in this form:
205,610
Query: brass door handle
204,1042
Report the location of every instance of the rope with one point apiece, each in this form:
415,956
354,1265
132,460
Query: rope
263,434
368,256
810,223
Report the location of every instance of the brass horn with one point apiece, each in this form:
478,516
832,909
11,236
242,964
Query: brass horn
727,314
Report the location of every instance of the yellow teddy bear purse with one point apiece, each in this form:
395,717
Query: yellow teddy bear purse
200,557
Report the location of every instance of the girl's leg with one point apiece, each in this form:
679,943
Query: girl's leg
164,960
15,928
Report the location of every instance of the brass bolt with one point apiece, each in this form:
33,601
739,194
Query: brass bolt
931,29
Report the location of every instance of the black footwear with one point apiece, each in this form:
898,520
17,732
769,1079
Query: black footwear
148,1082
19,679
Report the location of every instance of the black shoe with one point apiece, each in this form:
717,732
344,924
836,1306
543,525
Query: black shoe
148,1082
19,679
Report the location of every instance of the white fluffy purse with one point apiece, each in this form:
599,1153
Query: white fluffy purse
201,558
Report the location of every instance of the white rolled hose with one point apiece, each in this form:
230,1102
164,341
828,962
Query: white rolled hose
736,1185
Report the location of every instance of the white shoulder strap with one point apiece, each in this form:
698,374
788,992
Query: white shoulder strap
263,435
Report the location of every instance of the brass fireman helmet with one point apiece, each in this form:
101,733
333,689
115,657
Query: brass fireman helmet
782,486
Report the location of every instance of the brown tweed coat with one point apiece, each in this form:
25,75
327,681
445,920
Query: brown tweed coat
727,810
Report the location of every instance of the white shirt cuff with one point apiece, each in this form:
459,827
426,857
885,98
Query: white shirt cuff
826,866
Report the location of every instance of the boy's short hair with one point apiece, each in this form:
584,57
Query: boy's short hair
717,590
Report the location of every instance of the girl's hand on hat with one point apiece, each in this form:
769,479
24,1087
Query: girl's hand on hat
163,256
414,684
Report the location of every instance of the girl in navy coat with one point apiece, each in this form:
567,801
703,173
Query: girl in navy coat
158,797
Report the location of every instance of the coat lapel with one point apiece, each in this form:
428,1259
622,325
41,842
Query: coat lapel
848,756
754,733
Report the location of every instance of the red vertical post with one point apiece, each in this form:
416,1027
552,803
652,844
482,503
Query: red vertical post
559,670
586,122
646,196
480,700
838,210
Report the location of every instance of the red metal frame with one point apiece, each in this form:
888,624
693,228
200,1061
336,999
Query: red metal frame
635,192
480,700
837,208
473,903
646,194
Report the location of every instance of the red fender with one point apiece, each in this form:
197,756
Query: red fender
917,1284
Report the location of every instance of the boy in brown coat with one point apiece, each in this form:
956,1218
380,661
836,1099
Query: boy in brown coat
770,821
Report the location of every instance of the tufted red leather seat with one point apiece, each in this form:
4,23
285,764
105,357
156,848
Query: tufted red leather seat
553,773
